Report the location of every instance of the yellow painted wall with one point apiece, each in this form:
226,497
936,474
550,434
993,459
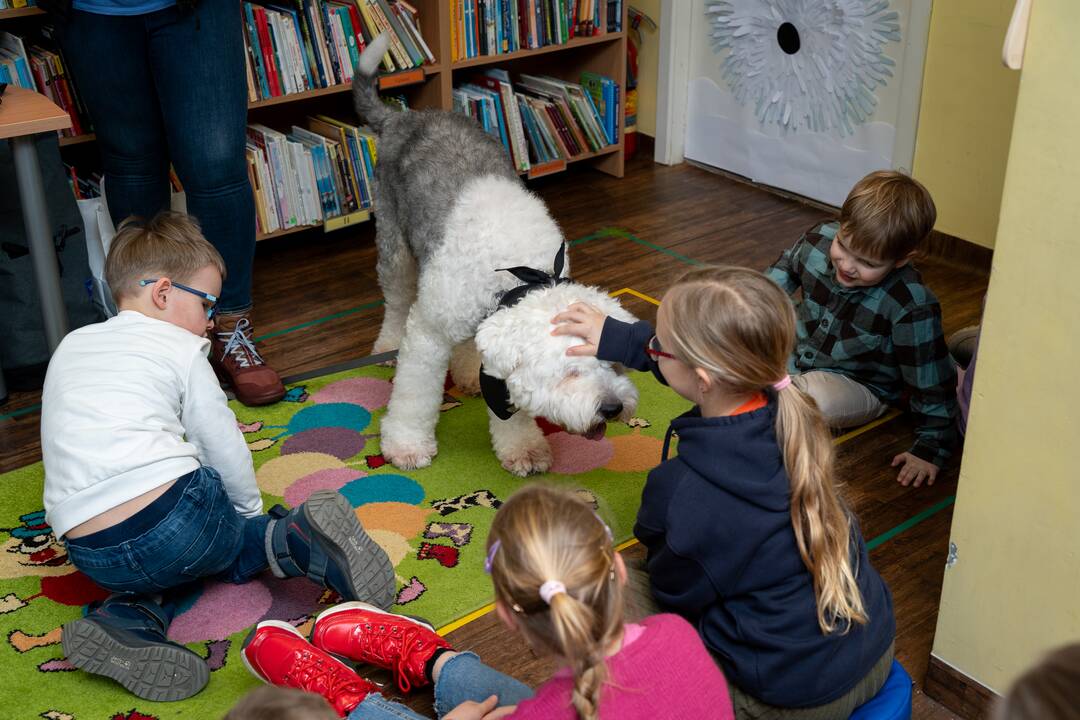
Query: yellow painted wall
1015,590
965,116
647,68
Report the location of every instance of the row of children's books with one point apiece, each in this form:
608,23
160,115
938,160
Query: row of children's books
540,119
34,67
14,4
309,174
311,44
495,27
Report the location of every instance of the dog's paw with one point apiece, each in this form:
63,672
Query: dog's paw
411,455
382,347
528,460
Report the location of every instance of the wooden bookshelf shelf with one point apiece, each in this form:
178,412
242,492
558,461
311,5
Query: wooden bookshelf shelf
509,57
386,82
20,12
560,165
77,139
289,231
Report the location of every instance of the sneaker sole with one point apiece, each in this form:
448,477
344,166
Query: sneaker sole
160,673
258,400
251,636
368,566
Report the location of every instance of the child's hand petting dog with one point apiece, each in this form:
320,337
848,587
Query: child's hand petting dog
583,321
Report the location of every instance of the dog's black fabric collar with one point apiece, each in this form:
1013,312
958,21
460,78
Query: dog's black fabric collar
493,389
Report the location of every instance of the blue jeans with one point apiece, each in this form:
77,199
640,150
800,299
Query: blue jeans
190,532
171,86
462,678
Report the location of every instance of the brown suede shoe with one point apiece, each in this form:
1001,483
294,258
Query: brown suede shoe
238,363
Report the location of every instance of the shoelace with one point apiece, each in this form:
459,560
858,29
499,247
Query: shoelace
409,643
315,674
241,347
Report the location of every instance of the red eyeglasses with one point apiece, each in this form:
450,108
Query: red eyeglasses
652,349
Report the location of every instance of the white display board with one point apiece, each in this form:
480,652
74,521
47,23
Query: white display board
805,95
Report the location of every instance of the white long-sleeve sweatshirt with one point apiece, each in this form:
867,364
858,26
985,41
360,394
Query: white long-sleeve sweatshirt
130,404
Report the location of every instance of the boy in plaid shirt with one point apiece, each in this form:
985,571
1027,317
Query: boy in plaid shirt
869,331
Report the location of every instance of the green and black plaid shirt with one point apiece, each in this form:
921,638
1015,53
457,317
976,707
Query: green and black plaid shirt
887,337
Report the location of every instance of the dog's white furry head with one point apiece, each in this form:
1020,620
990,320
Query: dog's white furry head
579,393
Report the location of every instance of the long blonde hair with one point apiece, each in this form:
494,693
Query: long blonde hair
738,326
544,534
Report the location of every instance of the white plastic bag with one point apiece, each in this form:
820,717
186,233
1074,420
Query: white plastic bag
100,232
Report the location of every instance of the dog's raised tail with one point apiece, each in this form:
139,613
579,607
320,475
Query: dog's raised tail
369,106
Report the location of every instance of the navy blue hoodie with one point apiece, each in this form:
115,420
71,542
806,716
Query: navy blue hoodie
716,521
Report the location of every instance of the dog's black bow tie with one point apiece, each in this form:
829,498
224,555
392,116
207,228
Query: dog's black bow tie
533,279
493,389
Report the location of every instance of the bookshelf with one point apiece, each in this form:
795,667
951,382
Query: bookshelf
20,12
431,86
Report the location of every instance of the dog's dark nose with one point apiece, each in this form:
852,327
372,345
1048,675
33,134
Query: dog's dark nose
611,410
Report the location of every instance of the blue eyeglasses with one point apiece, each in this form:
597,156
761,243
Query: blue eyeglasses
207,297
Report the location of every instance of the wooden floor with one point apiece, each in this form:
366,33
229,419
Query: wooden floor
318,303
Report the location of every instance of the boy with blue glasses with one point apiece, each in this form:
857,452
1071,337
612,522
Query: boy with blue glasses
150,483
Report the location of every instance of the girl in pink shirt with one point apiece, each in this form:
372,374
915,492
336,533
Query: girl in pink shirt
559,583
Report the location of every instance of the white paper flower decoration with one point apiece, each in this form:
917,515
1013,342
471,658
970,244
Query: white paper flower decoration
805,64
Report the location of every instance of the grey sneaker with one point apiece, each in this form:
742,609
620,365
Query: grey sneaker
962,344
142,660
323,540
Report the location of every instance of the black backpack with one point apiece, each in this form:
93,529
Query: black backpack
23,350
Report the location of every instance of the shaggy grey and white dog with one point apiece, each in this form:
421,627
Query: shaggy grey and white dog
451,213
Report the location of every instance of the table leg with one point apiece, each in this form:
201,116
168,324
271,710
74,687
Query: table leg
40,238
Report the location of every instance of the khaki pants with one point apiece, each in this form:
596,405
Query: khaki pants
748,707
843,402
640,604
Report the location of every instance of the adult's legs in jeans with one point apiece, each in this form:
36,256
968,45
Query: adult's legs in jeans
197,61
109,58
843,402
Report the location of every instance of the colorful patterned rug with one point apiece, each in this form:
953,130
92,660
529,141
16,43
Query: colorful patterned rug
432,522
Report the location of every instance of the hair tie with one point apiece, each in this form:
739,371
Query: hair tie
550,589
490,559
783,383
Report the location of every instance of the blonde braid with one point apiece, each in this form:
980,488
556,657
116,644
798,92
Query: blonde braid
547,538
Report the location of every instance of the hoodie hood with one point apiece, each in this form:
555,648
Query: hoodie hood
738,453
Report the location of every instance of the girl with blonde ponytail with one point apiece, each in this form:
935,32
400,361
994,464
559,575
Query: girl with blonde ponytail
746,533
559,582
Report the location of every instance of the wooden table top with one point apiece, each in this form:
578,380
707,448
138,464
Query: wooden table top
25,112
